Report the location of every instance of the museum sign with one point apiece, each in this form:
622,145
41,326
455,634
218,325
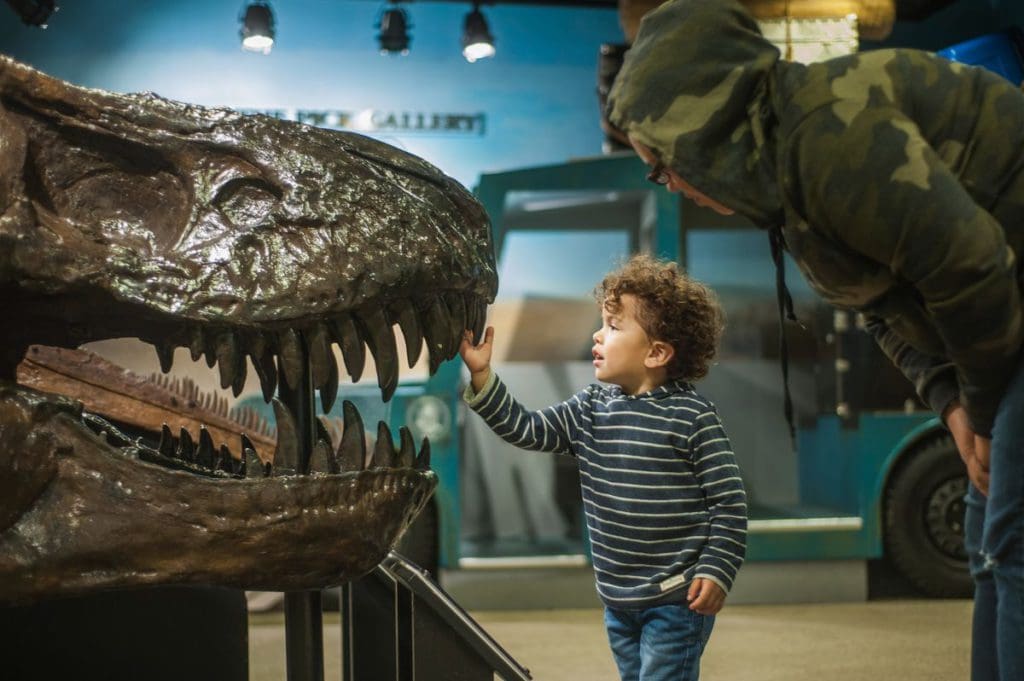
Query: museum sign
384,121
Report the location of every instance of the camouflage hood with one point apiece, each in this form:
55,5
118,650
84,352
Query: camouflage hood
695,88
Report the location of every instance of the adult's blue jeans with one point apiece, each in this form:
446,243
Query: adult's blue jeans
663,643
994,539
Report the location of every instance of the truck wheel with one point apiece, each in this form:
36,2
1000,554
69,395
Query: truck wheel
420,544
924,519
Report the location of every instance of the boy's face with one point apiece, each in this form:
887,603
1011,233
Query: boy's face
622,350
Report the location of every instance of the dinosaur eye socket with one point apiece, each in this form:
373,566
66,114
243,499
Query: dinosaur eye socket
246,201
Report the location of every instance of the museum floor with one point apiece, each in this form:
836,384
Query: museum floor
910,640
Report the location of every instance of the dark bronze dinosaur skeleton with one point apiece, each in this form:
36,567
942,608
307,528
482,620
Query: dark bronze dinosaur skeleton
239,237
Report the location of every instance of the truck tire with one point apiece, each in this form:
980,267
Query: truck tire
924,519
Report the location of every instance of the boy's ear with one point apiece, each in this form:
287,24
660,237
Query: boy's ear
660,354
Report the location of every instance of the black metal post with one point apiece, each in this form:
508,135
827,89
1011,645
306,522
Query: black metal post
348,669
303,610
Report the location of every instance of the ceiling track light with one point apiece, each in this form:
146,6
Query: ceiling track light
477,41
257,30
33,12
394,26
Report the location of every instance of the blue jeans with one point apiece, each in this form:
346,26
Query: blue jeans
994,539
663,643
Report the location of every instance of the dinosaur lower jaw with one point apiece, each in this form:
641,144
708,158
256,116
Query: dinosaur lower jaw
83,515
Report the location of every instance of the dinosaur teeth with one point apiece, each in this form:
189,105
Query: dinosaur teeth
202,456
246,444
381,341
404,314
196,344
165,353
472,313
166,447
198,456
251,466
204,453
407,452
290,359
230,362
254,467
226,462
266,370
352,450
456,305
436,331
106,430
323,432
238,382
322,459
476,316
329,390
320,355
286,457
346,333
323,365
209,346
437,322
384,450
186,449
423,459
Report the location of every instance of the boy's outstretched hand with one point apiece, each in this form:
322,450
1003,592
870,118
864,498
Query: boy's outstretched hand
705,596
477,357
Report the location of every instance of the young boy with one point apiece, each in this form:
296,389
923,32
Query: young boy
664,501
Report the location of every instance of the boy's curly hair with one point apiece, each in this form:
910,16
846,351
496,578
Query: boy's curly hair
671,308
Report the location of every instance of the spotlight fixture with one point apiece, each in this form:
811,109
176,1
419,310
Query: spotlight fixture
394,31
257,30
477,41
33,12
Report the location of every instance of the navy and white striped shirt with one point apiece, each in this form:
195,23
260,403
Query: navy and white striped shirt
661,490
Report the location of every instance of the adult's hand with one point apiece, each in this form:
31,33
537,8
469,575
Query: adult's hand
982,453
974,449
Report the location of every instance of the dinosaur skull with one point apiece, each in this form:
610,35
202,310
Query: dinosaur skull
237,237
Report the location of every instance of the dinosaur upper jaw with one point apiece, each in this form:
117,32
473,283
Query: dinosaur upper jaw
95,511
234,236
428,320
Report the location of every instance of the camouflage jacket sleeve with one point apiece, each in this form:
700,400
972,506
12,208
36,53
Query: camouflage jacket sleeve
934,378
878,191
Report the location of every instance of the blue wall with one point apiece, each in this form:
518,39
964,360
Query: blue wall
538,94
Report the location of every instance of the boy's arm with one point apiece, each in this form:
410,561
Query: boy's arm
719,477
547,430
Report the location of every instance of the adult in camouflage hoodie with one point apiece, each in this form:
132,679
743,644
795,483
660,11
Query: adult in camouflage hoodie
894,179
